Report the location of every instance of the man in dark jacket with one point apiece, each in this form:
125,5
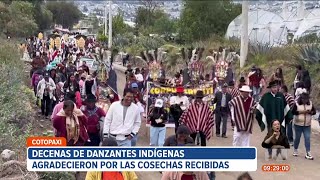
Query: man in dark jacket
222,111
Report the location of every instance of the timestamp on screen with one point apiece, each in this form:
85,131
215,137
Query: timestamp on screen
276,168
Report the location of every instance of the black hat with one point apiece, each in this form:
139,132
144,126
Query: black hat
91,98
242,79
183,129
272,84
231,83
199,94
46,74
225,85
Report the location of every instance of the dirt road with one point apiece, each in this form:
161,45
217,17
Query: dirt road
300,167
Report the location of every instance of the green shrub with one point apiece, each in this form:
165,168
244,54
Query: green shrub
15,98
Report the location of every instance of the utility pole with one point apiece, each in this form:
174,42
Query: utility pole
244,33
105,20
110,25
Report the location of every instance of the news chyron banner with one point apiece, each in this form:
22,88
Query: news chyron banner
63,158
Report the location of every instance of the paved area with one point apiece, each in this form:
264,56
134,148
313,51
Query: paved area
301,169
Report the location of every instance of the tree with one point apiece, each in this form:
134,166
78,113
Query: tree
165,26
200,19
118,25
153,21
20,20
43,16
64,13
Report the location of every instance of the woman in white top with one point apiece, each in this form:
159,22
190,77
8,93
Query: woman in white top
138,75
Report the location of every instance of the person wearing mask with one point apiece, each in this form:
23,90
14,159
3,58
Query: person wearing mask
275,139
71,124
242,111
158,117
178,104
123,120
222,111
303,111
199,118
291,102
273,105
109,175
181,138
45,91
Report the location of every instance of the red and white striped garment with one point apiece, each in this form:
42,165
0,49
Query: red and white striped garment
243,120
234,92
198,117
290,100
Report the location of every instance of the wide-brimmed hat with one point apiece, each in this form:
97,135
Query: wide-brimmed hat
199,94
180,89
245,88
242,79
91,98
272,84
159,103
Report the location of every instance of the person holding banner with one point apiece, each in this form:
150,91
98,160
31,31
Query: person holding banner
178,104
158,117
199,118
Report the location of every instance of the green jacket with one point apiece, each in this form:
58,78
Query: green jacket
273,107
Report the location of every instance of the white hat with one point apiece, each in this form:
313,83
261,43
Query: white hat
159,103
245,88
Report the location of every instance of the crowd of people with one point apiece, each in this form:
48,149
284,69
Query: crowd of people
72,97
